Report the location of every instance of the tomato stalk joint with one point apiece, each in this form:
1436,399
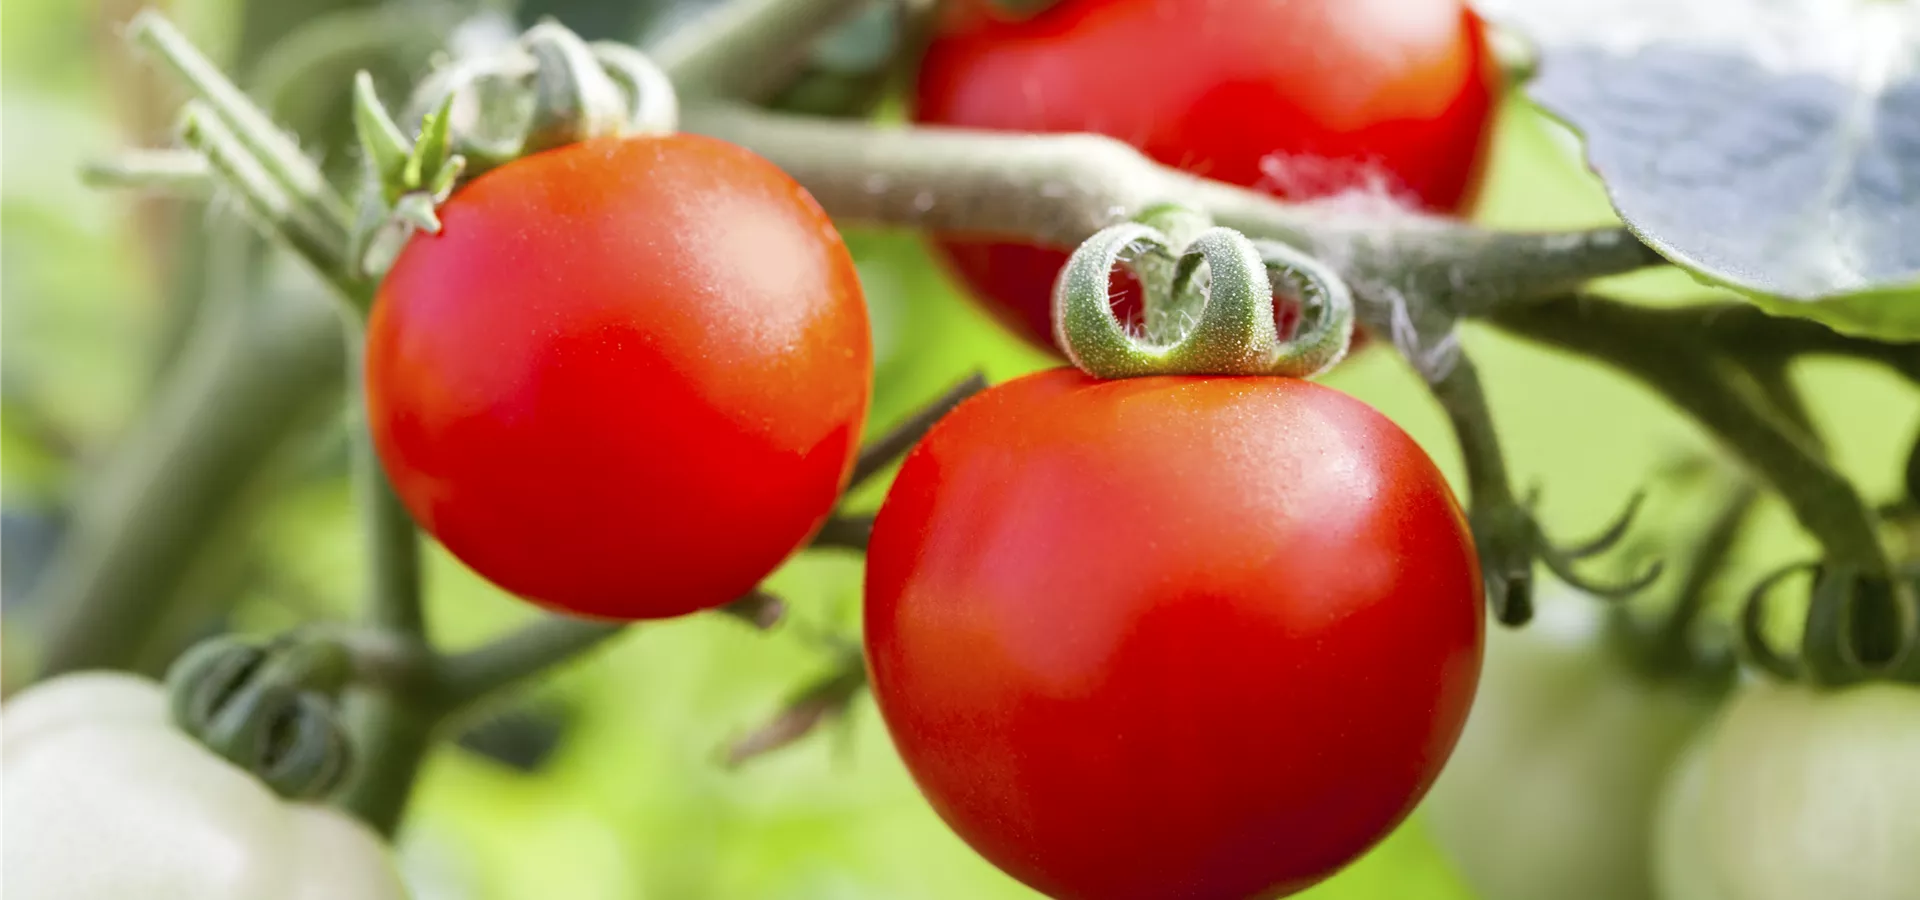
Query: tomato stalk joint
1208,302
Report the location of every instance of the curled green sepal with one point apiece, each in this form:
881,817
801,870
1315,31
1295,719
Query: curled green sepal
208,675
267,708
1325,331
574,99
652,105
1208,304
287,738
1753,643
1856,629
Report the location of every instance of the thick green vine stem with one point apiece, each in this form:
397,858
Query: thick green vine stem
1208,299
748,49
267,708
1059,190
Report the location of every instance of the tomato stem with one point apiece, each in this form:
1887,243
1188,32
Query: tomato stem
761,609
277,153
465,677
847,532
748,49
1690,355
1059,190
896,441
182,173
1668,648
820,701
1503,531
250,374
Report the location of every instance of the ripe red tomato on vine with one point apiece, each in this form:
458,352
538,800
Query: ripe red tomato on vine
628,377
1203,637
1299,98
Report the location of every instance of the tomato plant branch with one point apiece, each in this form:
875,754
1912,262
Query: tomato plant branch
884,450
410,692
278,155
250,376
1690,355
747,48
825,698
393,546
393,738
1666,646
758,608
1502,528
462,678
177,172
847,532
1060,190
1508,537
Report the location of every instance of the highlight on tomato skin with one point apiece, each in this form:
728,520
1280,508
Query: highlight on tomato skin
1377,100
1171,636
627,379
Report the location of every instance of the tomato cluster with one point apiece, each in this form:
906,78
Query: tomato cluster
1159,637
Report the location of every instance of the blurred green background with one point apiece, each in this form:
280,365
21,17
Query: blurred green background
632,800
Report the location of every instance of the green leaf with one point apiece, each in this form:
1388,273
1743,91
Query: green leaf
1772,146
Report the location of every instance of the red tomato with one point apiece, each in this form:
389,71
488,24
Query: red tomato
627,379
1300,98
1171,637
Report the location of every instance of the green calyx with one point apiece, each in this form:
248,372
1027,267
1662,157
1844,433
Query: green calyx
546,90
407,180
1208,303
267,708
1858,628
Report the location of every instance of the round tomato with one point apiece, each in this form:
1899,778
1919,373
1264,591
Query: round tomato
1794,793
1300,98
1551,792
626,379
1195,637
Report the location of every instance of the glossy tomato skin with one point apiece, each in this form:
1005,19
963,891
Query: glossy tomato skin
1300,98
1171,637
628,377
